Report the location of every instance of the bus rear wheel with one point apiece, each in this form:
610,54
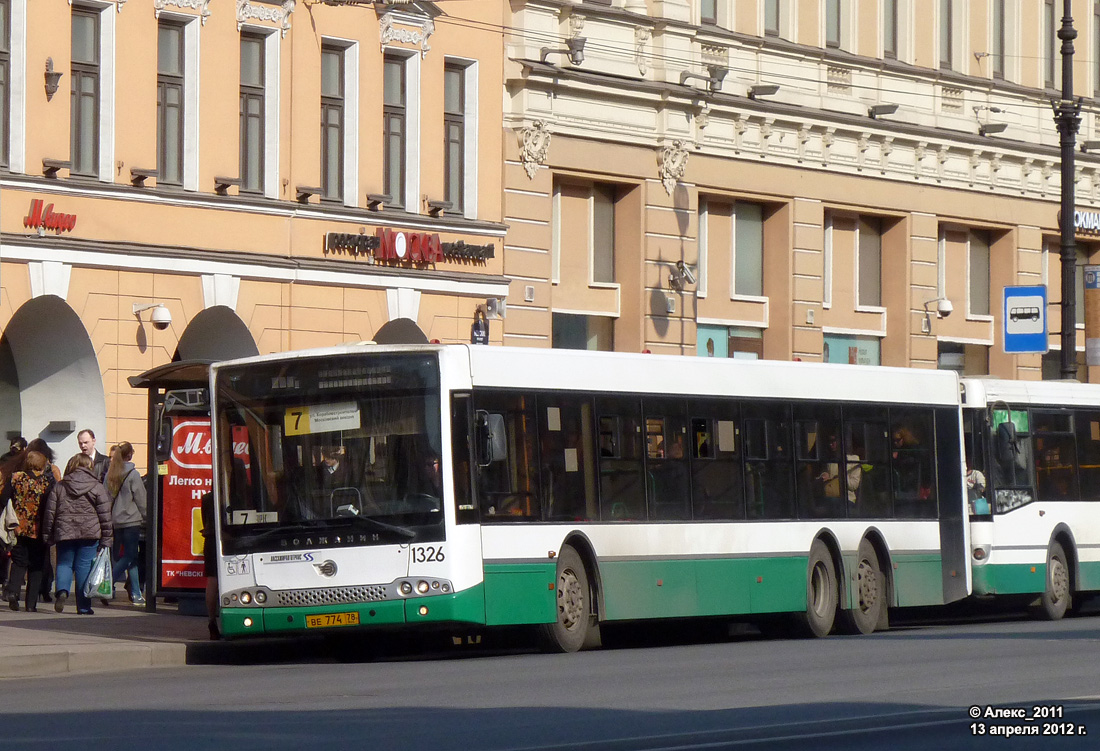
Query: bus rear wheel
870,593
821,591
1056,597
574,605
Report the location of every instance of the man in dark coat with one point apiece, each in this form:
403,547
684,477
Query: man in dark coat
100,463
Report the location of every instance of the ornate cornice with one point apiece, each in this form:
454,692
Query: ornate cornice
416,30
280,14
202,6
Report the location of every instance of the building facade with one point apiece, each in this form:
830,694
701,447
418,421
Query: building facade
187,179
806,179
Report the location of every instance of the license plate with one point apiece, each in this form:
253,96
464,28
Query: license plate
332,619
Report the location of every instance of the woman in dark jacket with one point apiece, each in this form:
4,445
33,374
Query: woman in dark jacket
77,519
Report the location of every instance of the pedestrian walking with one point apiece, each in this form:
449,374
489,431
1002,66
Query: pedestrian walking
86,439
43,448
128,506
27,490
77,519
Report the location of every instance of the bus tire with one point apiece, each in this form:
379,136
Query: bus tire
1056,597
574,605
869,593
821,591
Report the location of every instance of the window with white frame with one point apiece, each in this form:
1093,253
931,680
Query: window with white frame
890,28
869,248
1048,43
253,110
85,91
460,123
400,129
827,272
748,250
833,23
333,108
978,273
5,78
170,102
997,53
703,248
947,33
772,17
708,11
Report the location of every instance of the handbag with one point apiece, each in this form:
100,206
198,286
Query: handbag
100,582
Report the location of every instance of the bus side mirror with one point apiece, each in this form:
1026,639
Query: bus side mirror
489,431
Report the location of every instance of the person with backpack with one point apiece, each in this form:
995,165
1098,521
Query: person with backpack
128,507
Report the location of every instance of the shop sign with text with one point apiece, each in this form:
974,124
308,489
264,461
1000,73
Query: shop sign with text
42,217
388,245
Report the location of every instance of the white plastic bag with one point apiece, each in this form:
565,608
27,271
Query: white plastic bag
100,582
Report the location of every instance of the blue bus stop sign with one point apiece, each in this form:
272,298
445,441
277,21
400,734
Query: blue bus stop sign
1025,320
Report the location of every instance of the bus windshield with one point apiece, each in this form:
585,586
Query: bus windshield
329,452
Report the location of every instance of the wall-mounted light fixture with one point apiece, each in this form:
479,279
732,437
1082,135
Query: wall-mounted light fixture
1090,145
161,317
989,129
574,49
878,110
944,308
763,89
53,79
715,75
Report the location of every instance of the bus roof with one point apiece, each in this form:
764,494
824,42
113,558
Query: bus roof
979,392
578,370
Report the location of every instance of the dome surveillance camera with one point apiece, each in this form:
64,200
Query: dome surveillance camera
944,308
161,318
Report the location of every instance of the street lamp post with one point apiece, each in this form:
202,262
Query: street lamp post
1068,118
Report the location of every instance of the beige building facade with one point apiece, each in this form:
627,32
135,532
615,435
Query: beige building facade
187,179
791,179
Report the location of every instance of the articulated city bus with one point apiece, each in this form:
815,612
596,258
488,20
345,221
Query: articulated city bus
1035,530
440,486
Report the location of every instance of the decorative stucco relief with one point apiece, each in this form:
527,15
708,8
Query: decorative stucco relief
202,6
534,142
672,163
412,30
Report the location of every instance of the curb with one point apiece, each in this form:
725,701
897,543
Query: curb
41,662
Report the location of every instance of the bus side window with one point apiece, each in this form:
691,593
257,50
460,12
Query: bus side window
1055,456
1088,454
911,463
461,425
668,488
508,485
568,458
717,484
621,490
768,471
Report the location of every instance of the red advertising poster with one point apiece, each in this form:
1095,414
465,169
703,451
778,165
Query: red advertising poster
189,476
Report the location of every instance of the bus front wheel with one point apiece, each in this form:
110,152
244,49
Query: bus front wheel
1056,597
821,591
574,605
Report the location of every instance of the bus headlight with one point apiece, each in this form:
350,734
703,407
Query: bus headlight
246,598
261,597
422,587
406,588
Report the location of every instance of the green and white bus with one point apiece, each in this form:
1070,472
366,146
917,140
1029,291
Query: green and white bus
439,486
1035,530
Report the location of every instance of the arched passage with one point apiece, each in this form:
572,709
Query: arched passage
217,333
49,374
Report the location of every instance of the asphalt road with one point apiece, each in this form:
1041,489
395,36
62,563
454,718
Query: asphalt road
909,688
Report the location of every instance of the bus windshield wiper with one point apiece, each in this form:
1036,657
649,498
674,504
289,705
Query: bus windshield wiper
351,512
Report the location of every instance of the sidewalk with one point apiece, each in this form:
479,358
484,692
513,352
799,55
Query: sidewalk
118,637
